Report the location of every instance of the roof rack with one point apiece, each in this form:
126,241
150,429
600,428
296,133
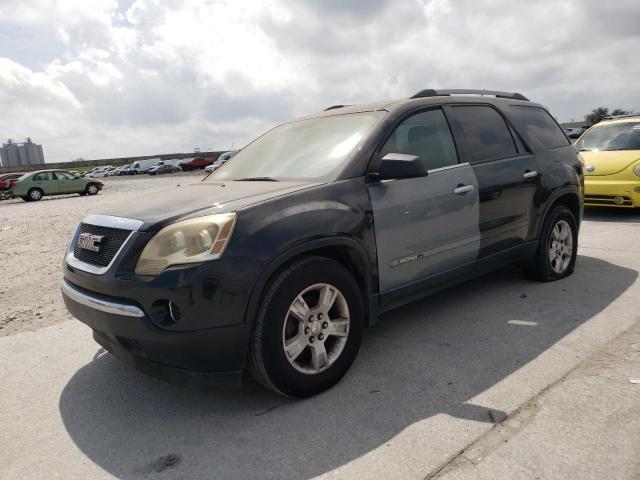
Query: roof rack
429,92
335,106
626,115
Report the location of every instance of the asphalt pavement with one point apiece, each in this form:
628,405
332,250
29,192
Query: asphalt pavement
499,377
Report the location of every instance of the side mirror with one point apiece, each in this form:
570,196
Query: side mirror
400,165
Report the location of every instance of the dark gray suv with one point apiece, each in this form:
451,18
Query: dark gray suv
277,261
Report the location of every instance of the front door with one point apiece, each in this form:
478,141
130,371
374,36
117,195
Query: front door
425,226
68,183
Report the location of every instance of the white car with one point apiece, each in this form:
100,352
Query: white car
98,173
220,161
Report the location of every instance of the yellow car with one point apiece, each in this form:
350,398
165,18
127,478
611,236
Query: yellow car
611,153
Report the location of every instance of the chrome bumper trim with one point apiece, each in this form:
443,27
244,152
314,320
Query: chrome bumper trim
106,306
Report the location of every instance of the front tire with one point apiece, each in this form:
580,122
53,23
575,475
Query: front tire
92,189
557,249
309,328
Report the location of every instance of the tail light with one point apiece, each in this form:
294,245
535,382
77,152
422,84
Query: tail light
12,184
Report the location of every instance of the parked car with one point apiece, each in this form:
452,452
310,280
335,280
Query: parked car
99,172
5,184
195,163
574,132
164,168
33,186
220,161
611,150
142,166
124,170
276,262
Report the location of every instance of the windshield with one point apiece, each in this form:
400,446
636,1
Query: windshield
314,149
617,136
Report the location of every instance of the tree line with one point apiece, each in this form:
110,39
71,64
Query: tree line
598,114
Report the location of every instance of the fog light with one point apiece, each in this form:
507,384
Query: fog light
618,200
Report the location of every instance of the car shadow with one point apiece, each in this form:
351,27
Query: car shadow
425,359
608,214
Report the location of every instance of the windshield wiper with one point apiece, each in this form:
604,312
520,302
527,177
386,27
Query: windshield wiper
256,179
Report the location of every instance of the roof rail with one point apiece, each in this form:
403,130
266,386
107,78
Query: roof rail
626,115
335,106
429,92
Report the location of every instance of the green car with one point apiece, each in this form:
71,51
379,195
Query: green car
32,186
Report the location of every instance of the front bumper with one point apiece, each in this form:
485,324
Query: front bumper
202,357
607,191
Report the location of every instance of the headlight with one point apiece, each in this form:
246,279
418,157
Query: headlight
189,241
636,170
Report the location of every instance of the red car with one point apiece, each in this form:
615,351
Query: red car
5,183
193,163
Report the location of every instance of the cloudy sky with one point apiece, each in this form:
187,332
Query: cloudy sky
107,78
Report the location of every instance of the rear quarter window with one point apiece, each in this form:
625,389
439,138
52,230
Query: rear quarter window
536,122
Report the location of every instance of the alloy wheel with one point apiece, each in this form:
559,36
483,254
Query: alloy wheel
316,328
560,246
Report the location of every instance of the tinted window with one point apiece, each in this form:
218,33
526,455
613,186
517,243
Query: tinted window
485,132
537,123
427,135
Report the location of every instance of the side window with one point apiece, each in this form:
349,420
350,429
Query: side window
537,123
41,177
64,176
486,133
427,135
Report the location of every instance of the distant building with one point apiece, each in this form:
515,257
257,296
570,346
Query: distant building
14,154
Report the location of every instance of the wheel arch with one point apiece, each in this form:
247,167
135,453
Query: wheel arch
344,250
568,197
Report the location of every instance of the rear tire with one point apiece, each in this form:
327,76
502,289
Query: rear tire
34,195
557,249
301,344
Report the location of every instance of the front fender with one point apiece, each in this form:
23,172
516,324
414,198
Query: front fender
331,215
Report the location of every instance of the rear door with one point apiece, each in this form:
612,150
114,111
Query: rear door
425,226
47,182
507,175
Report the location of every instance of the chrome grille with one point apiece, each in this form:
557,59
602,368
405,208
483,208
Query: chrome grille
113,239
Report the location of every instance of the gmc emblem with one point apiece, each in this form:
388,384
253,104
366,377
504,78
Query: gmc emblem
90,242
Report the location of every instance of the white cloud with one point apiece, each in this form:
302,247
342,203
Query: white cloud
101,79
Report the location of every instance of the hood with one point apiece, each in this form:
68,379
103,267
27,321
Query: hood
199,199
609,162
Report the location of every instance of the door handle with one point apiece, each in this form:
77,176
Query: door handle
529,174
462,189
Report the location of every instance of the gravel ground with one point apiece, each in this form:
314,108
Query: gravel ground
33,239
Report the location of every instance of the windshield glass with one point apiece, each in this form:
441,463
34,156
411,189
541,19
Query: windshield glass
314,149
617,136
